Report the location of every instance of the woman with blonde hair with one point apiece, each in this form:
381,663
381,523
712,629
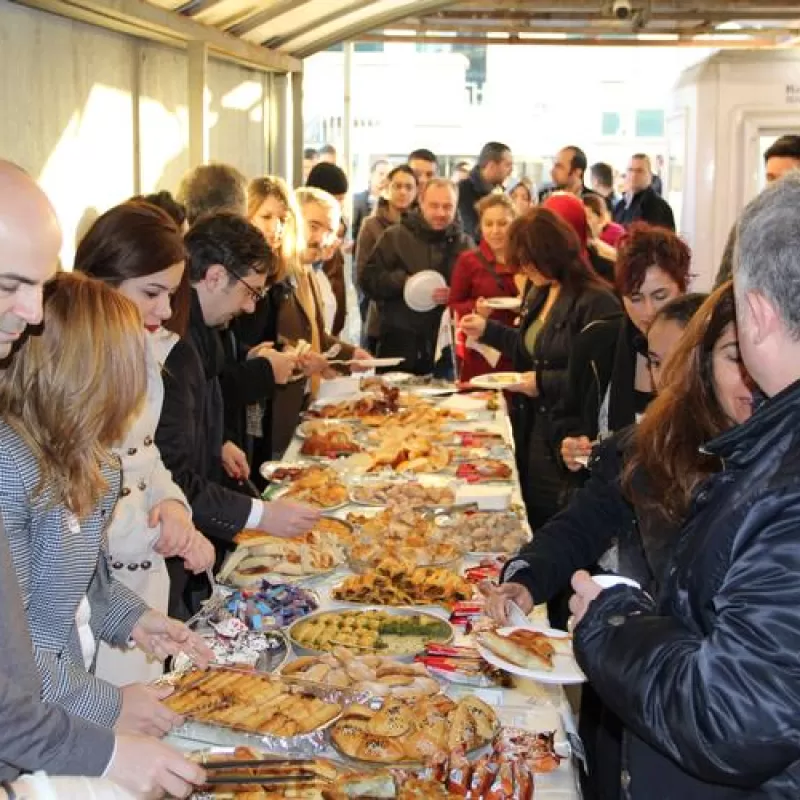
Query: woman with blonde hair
138,249
290,316
67,398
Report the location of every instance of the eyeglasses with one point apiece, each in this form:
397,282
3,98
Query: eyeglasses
255,294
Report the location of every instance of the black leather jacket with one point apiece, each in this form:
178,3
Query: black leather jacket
707,681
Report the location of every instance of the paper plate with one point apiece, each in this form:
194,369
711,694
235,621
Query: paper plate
504,303
565,669
496,380
419,289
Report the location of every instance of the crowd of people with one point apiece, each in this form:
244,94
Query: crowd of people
654,432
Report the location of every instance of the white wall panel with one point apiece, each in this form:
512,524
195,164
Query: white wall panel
237,99
65,91
163,117
72,94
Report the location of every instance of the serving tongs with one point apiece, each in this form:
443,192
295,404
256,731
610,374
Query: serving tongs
294,779
298,776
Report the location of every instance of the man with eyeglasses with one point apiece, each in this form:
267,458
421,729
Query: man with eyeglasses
230,264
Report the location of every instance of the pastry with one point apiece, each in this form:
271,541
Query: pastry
525,648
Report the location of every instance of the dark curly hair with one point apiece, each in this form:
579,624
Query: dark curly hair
644,246
230,240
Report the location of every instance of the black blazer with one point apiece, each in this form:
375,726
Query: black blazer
244,382
648,207
190,431
604,355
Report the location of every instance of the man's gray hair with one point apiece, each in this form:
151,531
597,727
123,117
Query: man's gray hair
311,195
439,183
767,258
210,188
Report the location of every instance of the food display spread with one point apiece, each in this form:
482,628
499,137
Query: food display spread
393,692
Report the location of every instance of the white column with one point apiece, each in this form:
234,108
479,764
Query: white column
347,119
298,138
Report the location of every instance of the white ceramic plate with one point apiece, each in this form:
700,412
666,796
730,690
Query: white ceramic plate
504,303
375,363
419,289
496,380
607,581
565,669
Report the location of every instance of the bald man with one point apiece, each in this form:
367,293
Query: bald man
34,735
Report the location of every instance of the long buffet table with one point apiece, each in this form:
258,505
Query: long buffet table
530,705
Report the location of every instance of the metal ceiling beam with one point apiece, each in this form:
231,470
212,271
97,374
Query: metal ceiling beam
512,5
318,22
630,41
595,26
147,21
381,20
194,7
245,23
716,13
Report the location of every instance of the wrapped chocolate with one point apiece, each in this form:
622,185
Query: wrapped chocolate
271,605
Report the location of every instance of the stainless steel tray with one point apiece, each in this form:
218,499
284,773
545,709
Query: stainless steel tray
398,612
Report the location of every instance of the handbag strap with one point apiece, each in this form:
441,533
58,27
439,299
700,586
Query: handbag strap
492,271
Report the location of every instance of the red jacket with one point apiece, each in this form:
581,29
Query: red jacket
473,278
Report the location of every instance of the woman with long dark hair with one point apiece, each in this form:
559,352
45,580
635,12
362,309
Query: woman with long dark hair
138,249
609,384
566,296
638,493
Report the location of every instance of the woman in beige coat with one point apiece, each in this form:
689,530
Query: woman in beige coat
139,249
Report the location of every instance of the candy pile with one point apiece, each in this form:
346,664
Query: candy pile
272,605
235,646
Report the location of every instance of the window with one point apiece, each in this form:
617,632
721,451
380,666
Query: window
650,122
436,47
476,54
360,47
611,123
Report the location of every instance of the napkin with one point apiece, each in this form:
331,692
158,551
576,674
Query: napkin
491,355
